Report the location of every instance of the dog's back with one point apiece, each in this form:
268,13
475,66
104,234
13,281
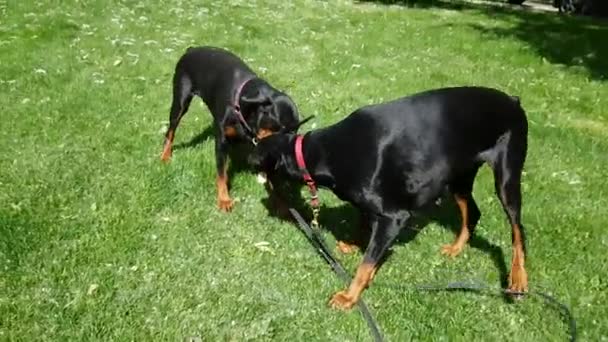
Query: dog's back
211,71
424,140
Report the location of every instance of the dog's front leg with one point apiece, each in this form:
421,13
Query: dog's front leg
384,231
278,196
278,204
224,201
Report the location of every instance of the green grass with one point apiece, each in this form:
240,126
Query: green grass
99,241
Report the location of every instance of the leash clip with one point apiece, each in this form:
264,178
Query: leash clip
315,218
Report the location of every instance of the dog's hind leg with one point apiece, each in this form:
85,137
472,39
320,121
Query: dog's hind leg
384,231
360,234
182,96
507,166
462,188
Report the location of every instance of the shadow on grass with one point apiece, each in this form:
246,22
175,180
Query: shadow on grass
196,140
237,152
19,236
559,39
451,4
570,41
344,221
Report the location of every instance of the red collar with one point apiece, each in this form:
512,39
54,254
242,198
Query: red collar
237,107
314,199
237,95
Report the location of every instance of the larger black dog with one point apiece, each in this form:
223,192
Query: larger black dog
393,158
244,106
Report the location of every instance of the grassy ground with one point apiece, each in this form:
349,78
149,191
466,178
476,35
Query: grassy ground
99,241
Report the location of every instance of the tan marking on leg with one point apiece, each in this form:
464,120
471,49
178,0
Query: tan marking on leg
346,247
345,300
224,201
372,276
456,247
230,132
167,149
518,279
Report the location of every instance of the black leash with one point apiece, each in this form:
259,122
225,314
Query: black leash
321,247
319,244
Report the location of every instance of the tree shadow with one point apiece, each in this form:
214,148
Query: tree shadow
560,39
572,41
450,4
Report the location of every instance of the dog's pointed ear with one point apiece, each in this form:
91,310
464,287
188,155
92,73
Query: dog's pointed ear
295,128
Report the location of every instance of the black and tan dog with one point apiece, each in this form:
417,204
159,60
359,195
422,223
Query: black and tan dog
244,106
390,159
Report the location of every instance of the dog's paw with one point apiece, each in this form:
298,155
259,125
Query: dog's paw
165,157
451,250
518,282
342,301
346,248
225,205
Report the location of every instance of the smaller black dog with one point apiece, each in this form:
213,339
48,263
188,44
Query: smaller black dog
390,159
244,106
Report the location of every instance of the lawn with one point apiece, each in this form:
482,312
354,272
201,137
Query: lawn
100,241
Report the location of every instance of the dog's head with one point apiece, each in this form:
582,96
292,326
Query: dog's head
275,153
270,112
271,155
